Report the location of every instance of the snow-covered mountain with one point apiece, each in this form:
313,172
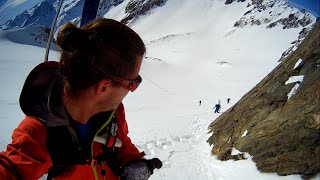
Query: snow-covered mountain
35,35
269,14
44,12
11,8
41,14
274,12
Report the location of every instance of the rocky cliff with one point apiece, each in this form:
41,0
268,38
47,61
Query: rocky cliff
278,121
136,8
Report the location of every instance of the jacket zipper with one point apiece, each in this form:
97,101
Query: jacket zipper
94,165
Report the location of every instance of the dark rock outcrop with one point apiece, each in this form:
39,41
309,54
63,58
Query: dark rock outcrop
271,16
140,7
295,44
231,1
292,21
284,130
105,6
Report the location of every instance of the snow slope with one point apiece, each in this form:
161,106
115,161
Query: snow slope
193,53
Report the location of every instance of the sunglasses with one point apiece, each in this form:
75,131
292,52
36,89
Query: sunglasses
131,85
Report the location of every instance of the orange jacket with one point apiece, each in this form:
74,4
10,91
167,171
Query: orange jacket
27,157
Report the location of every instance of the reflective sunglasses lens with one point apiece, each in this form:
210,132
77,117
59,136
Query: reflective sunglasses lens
139,79
133,86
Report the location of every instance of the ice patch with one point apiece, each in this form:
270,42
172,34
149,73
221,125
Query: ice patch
295,79
235,151
294,90
245,133
297,63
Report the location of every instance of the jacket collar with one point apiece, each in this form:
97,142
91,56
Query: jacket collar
40,95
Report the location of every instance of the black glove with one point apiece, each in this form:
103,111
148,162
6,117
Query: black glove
140,169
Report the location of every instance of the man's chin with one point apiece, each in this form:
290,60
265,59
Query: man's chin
114,107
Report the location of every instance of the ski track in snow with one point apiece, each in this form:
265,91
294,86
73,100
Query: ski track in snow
188,146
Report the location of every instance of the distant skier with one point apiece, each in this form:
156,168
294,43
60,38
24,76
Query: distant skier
200,103
228,100
217,108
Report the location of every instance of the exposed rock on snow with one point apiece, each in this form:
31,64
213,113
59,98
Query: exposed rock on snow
302,34
269,13
140,7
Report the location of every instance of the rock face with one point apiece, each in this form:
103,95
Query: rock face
139,7
105,6
271,15
282,117
231,1
295,44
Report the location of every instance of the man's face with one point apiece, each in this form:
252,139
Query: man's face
115,94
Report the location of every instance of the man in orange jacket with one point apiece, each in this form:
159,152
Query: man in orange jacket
75,125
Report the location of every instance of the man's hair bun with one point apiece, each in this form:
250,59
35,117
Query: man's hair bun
71,38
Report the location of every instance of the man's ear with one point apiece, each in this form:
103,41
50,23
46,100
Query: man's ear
103,86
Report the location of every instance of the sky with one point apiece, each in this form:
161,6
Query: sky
193,53
312,6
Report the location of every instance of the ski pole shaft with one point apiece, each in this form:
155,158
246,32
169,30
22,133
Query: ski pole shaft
51,31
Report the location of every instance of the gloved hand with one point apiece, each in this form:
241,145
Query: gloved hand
140,169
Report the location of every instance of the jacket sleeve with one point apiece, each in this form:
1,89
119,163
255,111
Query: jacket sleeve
26,157
128,151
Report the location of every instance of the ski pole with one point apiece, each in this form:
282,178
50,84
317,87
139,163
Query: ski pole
51,31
